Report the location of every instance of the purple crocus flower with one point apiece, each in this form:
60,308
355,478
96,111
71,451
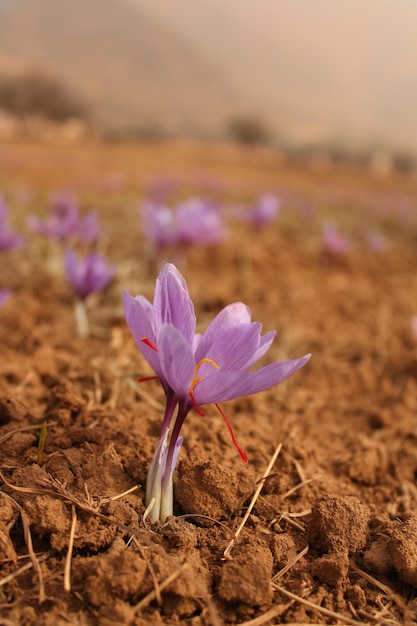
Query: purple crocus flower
195,221
87,275
199,222
333,240
195,369
159,224
8,239
4,296
88,228
264,211
62,221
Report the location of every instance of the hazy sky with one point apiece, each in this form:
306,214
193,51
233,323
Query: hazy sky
349,63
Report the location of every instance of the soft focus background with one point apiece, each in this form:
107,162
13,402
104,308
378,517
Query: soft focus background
299,74
268,148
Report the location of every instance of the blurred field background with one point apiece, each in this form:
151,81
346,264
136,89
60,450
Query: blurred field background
286,133
313,102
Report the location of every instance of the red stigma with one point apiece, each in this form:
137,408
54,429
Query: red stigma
148,343
242,453
195,405
146,378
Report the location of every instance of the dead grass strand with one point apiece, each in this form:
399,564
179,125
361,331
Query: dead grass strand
24,568
125,493
198,516
163,585
391,595
36,566
67,570
276,611
317,607
156,584
290,564
293,490
19,430
28,540
147,397
226,553
288,517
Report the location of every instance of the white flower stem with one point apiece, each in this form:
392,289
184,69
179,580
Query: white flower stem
159,483
81,318
154,479
167,499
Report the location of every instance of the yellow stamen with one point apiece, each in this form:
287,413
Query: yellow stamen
196,379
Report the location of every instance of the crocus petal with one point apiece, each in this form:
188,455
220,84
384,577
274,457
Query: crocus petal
222,386
97,275
196,341
87,275
139,315
264,345
199,222
72,267
172,303
159,224
232,347
176,359
229,317
88,228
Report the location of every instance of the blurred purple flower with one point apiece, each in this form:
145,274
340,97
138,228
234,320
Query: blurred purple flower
264,211
194,221
199,222
8,239
62,221
159,224
89,274
4,296
333,240
195,369
376,241
88,228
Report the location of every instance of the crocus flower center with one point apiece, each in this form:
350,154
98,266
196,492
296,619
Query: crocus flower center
196,379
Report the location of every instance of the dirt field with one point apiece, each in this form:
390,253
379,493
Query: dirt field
332,535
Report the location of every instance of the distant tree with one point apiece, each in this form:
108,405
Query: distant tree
34,93
248,130
404,162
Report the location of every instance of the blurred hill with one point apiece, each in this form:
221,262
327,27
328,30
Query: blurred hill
129,67
312,71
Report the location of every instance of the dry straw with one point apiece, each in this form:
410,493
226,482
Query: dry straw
230,545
